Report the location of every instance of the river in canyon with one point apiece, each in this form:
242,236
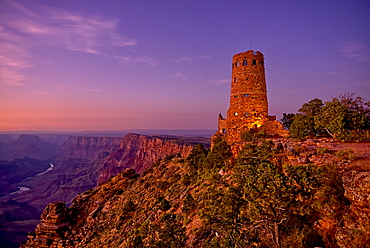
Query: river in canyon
22,189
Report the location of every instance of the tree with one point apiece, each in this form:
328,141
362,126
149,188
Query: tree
287,120
188,203
219,155
279,200
346,117
302,127
303,124
170,233
312,108
197,155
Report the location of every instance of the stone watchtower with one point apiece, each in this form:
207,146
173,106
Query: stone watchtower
248,109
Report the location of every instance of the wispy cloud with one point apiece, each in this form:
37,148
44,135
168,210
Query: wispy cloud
13,59
68,88
354,50
140,59
219,81
40,92
23,29
61,28
331,73
180,75
187,59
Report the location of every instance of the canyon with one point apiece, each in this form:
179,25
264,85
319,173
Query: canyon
167,205
80,163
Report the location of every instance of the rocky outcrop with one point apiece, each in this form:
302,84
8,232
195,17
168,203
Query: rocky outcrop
58,139
356,227
143,211
139,152
90,147
52,227
75,171
86,159
59,224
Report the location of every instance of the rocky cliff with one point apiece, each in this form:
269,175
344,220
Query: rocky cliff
198,201
89,147
139,152
74,171
86,160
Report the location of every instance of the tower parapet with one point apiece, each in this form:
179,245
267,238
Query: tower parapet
248,99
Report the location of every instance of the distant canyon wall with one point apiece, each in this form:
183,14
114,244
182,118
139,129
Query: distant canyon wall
139,152
87,161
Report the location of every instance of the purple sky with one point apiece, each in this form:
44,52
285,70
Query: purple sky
166,64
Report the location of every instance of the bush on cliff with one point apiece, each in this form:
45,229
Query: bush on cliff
346,118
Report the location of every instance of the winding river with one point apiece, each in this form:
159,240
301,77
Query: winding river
23,188
42,173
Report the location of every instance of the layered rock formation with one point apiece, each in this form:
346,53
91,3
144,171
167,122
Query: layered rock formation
167,207
139,152
75,170
86,161
52,227
89,147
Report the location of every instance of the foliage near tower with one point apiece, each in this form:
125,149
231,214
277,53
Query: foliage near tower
345,118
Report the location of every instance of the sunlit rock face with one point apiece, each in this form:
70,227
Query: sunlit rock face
52,227
90,147
139,152
355,228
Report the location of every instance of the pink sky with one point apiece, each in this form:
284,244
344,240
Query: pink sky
92,65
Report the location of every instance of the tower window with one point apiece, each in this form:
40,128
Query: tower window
237,64
246,113
247,79
254,62
235,96
236,114
245,62
246,95
261,62
223,131
235,80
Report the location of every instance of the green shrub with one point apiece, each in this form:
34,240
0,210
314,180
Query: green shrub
188,203
186,180
321,151
119,191
250,136
298,149
345,154
164,205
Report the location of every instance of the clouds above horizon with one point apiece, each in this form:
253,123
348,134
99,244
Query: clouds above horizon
354,50
23,29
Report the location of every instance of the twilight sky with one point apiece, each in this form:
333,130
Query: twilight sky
166,64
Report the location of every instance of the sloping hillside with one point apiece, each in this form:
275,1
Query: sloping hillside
211,199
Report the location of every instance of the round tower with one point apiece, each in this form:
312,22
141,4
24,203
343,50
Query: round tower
248,99
248,109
